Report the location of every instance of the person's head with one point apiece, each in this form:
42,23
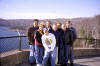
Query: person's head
45,30
63,26
48,24
58,25
68,24
41,26
54,27
35,22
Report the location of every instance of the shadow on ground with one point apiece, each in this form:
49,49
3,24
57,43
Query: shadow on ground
27,64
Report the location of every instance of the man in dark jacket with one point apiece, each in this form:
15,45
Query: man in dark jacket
63,26
60,44
30,35
68,44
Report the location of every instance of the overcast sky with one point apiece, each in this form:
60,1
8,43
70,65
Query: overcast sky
43,9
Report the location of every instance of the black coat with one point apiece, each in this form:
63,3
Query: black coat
50,30
59,38
68,37
31,32
38,36
74,34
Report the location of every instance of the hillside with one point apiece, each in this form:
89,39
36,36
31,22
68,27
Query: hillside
90,26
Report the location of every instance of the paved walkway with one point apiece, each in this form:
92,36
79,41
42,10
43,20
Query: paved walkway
92,61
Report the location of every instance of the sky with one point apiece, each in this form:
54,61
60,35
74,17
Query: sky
48,9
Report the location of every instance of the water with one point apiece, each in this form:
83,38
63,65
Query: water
11,43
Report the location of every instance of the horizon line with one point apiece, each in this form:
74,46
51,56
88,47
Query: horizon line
50,18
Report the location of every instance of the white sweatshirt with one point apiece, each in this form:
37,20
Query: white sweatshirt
49,42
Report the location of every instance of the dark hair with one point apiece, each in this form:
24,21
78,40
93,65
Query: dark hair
69,22
36,20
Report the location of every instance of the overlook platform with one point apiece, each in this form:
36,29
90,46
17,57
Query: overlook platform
15,51
89,61
83,57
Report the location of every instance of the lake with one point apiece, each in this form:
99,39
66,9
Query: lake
9,44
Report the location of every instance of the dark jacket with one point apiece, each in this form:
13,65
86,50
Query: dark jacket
74,34
30,35
50,29
38,40
63,35
68,37
59,38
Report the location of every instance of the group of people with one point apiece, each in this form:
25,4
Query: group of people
51,43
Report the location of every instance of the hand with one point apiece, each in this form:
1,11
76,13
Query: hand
48,50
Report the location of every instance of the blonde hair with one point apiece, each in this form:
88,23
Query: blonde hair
41,24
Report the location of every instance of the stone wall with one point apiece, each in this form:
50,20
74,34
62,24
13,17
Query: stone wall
80,52
13,58
16,57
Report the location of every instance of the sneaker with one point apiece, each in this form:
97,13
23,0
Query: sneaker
39,65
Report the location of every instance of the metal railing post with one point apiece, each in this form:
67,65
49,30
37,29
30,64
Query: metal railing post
96,43
19,40
19,43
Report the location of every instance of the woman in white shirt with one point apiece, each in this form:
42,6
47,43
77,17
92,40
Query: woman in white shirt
49,43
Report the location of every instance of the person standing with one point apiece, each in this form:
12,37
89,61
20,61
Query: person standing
60,43
63,26
30,35
38,45
73,31
49,43
68,44
55,32
48,26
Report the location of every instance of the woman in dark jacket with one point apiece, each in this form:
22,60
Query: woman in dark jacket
38,45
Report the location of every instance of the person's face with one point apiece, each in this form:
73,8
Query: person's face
64,27
58,25
68,25
46,32
41,28
48,24
35,23
54,27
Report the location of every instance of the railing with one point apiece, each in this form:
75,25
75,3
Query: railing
87,43
13,43
21,42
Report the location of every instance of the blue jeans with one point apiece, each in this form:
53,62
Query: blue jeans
60,55
51,55
32,54
69,54
39,54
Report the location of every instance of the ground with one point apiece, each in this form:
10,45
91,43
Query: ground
89,61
